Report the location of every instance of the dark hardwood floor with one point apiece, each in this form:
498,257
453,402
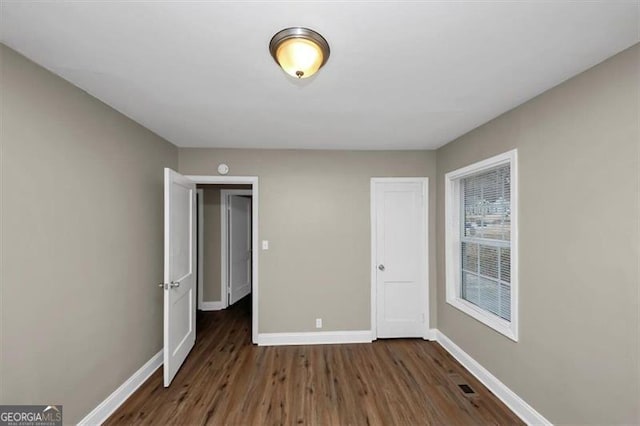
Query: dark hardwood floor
227,380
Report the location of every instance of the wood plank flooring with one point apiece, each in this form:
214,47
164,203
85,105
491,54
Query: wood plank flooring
228,381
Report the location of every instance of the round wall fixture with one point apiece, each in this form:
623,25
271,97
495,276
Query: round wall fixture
223,169
300,52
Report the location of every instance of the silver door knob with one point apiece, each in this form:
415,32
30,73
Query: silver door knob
381,267
174,284
161,285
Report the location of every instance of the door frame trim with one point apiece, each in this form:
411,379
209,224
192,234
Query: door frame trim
253,181
424,181
200,234
224,241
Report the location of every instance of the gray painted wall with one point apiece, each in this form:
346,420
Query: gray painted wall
578,146
315,211
82,238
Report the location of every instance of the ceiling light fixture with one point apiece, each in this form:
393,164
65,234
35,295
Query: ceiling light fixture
300,52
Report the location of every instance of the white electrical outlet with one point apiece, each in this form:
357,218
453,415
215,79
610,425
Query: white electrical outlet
318,322
265,244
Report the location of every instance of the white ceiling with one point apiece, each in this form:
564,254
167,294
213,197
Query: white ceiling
400,75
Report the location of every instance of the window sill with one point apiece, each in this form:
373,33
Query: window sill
506,328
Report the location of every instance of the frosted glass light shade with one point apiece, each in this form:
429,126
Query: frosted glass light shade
299,51
299,57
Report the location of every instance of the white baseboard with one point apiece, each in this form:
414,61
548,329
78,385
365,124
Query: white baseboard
431,334
120,395
314,338
506,395
212,306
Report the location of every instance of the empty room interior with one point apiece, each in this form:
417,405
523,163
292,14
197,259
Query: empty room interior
323,213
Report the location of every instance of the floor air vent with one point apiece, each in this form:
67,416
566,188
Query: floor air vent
466,389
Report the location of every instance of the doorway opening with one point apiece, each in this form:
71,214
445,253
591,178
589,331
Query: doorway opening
227,211
224,222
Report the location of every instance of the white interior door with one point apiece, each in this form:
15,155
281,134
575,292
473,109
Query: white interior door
400,256
239,247
179,271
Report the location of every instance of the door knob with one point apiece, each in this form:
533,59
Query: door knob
381,267
161,285
174,284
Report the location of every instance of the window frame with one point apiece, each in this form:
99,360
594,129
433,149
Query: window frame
453,243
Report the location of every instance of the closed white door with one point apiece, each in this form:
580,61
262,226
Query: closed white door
239,247
399,214
179,271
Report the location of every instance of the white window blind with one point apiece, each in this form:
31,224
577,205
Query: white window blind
485,240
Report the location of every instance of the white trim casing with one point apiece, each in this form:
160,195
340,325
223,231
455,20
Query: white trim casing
102,412
200,193
425,193
516,404
254,182
224,241
452,244
314,338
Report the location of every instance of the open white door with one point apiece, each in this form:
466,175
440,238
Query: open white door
399,214
239,247
179,271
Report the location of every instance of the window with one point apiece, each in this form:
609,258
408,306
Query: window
481,242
